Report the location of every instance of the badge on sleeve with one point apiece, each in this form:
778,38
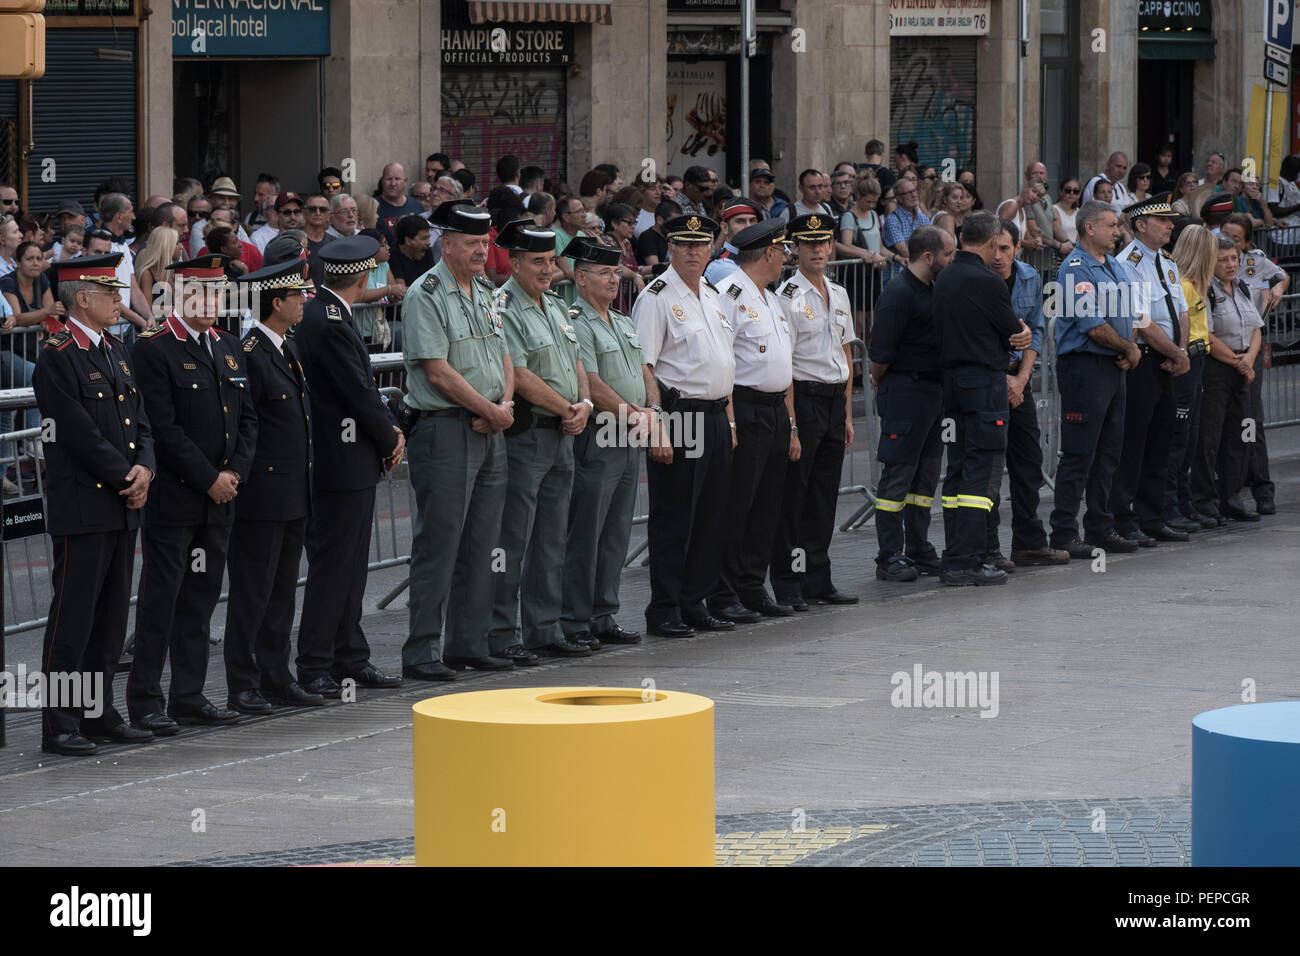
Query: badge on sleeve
1082,288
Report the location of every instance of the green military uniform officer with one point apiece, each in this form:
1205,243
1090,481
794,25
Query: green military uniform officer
607,458
554,406
459,382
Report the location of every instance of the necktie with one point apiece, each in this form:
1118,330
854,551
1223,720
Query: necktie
1169,303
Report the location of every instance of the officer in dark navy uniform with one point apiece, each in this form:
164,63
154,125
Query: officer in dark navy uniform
99,463
196,395
356,440
273,504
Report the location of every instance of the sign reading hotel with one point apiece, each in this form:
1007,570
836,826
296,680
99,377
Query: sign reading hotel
250,28
930,18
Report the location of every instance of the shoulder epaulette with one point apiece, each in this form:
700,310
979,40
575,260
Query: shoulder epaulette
656,287
574,311
1135,257
734,291
552,292
333,313
480,279
502,298
59,340
1075,262
250,343
788,288
430,283
708,283
150,333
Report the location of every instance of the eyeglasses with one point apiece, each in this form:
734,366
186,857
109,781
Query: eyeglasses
628,222
334,185
1145,176
199,213
1076,189
905,192
317,208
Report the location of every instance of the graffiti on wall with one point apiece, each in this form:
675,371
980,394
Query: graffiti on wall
932,103
487,114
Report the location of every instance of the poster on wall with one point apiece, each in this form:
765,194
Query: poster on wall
697,116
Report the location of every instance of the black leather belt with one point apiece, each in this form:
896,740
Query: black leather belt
820,389
443,412
1197,348
548,422
700,404
743,393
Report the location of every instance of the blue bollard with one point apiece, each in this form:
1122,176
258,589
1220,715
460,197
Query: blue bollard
1246,785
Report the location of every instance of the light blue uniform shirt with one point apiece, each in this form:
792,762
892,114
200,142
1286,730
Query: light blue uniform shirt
1148,268
1089,293
1027,303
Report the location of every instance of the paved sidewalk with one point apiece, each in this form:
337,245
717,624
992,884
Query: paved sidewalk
1099,675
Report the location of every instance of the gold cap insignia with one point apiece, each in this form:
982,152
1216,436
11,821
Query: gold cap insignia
693,223
814,222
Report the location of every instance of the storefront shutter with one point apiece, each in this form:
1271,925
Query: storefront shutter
489,113
932,98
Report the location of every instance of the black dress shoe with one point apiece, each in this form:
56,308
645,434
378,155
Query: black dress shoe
738,614
70,745
926,563
793,601
209,714
1184,524
1117,543
1266,506
1209,521
562,648
435,670
1143,540
324,686
293,696
249,702
123,733
671,629
835,596
979,575
368,675
1165,533
520,655
766,607
488,663
618,635
896,568
586,639
1241,514
708,622
160,725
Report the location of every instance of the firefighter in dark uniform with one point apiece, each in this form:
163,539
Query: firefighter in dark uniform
820,317
273,504
195,387
1094,349
99,463
765,421
355,439
689,371
605,472
904,357
975,323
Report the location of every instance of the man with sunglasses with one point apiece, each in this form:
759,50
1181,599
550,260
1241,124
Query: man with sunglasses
8,200
316,220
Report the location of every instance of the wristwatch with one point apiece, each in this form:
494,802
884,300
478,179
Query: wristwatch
656,409
588,402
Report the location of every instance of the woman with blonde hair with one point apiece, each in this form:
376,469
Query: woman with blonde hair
954,202
1195,254
367,212
151,264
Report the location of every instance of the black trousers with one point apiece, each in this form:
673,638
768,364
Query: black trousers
1150,409
87,624
1024,466
1092,437
263,570
1183,439
180,582
1220,466
976,399
330,639
808,501
911,455
686,529
1258,479
758,468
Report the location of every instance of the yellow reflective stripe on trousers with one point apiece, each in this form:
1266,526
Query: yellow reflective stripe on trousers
883,504
975,501
919,500
950,501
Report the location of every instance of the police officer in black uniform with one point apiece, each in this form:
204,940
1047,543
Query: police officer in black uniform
196,395
99,463
355,440
974,322
904,368
273,503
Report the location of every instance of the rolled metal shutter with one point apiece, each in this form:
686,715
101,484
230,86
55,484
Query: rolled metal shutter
487,114
83,116
932,98
9,145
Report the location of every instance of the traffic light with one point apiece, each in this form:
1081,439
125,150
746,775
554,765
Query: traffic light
22,39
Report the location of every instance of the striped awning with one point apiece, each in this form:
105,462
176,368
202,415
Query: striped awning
540,11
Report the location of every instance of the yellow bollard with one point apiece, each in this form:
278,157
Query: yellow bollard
564,776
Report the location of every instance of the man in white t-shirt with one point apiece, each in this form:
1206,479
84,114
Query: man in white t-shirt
1116,169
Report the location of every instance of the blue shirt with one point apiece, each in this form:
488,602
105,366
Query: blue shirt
1027,303
898,227
1091,293
1153,271
721,267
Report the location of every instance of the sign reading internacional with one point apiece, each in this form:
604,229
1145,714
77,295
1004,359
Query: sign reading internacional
967,18
250,28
